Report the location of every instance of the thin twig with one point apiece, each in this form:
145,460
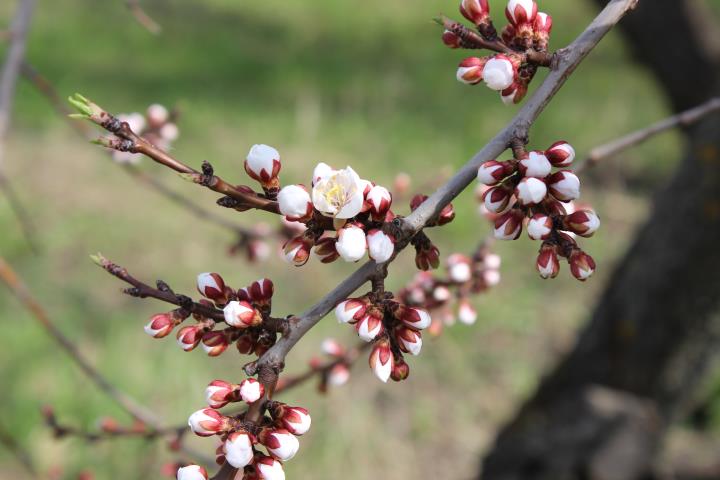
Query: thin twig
142,17
18,451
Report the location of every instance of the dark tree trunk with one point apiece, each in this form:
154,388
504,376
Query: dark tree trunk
602,412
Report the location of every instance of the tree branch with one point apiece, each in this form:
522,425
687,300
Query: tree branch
142,17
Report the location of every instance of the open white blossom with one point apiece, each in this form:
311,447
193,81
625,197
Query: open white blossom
338,193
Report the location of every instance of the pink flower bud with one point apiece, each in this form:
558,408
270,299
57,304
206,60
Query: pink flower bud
192,472
539,227
548,264
379,200
160,325
536,165
530,191
352,243
280,443
240,314
470,70
491,277
251,390
208,422
261,291
219,393
238,449
583,222
467,313
212,286
169,132
447,215
564,185
381,360
543,23
477,11
497,199
214,343
400,370
459,268
338,375
380,246
441,293
509,225
451,40
332,347
296,420
514,94
297,250
499,72
409,340
370,325
519,12
582,265
263,164
491,172
492,261
416,318
350,310
189,337
561,154
295,203
268,468
325,250
157,115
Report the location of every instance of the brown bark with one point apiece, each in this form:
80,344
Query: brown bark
602,412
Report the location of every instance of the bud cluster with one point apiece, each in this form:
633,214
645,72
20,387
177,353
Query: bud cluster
525,191
156,125
276,431
513,67
393,327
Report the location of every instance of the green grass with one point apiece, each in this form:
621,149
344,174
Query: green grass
329,80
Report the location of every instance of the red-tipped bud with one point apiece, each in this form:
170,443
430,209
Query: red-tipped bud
295,419
491,172
189,337
240,314
583,222
542,28
295,203
520,12
582,265
220,454
238,449
471,69
530,191
548,264
263,164
497,199
400,371
208,422
370,325
467,313
325,250
508,34
535,165
499,72
212,286
381,360
261,291
447,215
219,393
451,39
192,472
459,268
280,443
409,340
214,343
477,11
380,246
514,94
427,257
564,185
561,154
509,225
251,390
161,324
539,227
246,343
351,310
268,468
297,250
416,318
378,201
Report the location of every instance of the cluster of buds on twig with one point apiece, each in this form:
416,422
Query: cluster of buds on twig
525,190
241,436
448,298
520,49
157,125
393,327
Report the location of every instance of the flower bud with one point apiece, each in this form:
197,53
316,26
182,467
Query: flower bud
509,225
519,12
280,443
208,422
548,264
214,343
378,199
325,250
294,202
491,172
441,294
352,243
220,454
530,191
381,360
492,261
212,286
564,185
192,472
295,419
332,347
370,326
583,222
539,227
263,164
466,313
351,310
497,199
261,291
451,39
409,340
470,70
491,277
477,11
400,370
459,268
169,132
240,314
542,28
238,449
246,343
189,337
251,390
535,165
447,215
338,375
582,265
499,72
268,468
416,318
219,393
427,257
561,154
514,94
380,246
161,324
157,115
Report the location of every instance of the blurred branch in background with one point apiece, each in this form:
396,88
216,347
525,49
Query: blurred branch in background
23,457
8,81
142,17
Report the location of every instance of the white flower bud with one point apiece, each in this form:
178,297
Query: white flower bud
530,191
380,246
351,244
294,202
536,165
238,449
499,73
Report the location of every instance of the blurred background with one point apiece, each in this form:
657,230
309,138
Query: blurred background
369,86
